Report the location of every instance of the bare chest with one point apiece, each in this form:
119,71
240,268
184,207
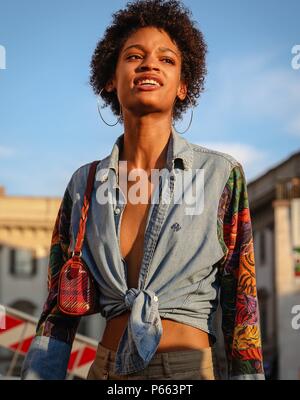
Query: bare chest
132,230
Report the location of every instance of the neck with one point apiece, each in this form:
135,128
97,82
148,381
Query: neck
145,143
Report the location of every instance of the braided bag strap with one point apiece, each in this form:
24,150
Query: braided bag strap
85,209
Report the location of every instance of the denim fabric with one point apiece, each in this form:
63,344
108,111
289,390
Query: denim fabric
180,273
47,359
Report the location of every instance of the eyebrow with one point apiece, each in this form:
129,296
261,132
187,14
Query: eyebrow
139,46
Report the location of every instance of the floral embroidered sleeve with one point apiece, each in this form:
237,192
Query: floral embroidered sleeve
49,352
238,294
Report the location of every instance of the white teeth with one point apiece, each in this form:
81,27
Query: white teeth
148,81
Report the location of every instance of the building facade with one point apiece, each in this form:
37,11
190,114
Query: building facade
275,210
26,225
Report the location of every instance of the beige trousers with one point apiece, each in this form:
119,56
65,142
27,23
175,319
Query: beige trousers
182,364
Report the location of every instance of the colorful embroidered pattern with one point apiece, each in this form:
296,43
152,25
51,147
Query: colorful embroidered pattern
52,322
240,312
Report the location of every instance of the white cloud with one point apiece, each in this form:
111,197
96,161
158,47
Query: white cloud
254,88
252,159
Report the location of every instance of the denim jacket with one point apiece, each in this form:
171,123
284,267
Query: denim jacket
195,253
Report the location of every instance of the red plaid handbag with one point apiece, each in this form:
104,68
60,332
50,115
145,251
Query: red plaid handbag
77,290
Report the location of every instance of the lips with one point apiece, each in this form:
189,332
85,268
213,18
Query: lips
147,88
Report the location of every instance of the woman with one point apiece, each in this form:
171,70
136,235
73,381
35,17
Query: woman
159,265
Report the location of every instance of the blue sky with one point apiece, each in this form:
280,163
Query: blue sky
49,124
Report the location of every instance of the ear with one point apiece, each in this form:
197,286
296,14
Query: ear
182,90
110,85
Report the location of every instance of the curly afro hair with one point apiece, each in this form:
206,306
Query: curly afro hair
172,17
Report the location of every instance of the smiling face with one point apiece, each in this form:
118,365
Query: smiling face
148,53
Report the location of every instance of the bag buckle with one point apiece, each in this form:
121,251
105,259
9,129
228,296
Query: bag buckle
75,253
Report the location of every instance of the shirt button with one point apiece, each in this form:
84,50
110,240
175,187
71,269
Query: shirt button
103,178
155,298
117,210
105,375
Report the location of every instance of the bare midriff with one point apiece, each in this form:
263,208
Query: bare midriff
175,335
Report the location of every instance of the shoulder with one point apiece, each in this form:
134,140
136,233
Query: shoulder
220,166
214,156
78,180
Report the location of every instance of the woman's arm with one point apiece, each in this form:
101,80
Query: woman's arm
238,295
49,352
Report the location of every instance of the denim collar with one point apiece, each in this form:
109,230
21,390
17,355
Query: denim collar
178,149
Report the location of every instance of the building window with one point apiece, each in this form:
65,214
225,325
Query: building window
262,247
23,263
83,327
262,296
25,306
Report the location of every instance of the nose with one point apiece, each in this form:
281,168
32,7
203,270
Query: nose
149,62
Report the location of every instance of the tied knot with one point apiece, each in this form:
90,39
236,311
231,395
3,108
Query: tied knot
130,296
143,331
132,293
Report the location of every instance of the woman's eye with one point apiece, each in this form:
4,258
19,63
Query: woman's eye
134,55
170,61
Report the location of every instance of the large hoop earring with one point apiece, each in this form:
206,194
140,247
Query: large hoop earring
191,119
98,106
